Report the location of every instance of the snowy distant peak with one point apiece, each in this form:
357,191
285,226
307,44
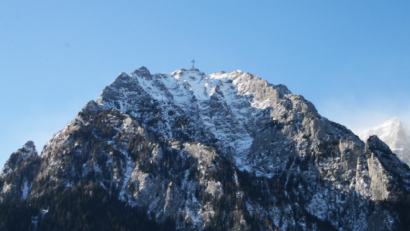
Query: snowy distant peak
392,127
393,123
394,135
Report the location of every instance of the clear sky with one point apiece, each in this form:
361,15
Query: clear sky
350,58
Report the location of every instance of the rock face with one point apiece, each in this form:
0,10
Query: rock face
225,151
27,151
18,173
395,135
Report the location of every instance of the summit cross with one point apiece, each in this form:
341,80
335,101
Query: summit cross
193,63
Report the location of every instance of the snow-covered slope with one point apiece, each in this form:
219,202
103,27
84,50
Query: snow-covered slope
395,135
225,151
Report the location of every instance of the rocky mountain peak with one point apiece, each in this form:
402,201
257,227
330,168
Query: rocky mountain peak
142,71
390,178
91,106
27,151
373,143
29,147
225,151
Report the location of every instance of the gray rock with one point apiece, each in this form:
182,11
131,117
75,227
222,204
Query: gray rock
227,150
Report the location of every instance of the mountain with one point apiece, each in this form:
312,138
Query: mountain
394,135
189,151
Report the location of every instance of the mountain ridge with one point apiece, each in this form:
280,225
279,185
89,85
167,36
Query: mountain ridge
226,151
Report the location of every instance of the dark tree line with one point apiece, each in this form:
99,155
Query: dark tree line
79,208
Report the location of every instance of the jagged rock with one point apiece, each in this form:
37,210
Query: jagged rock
224,151
18,173
27,151
143,71
389,175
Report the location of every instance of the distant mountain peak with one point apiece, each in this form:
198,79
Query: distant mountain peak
394,134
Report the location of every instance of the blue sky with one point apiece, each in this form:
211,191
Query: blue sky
350,58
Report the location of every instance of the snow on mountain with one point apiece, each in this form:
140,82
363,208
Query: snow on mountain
395,135
225,151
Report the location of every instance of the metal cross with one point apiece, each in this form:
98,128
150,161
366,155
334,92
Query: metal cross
193,63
